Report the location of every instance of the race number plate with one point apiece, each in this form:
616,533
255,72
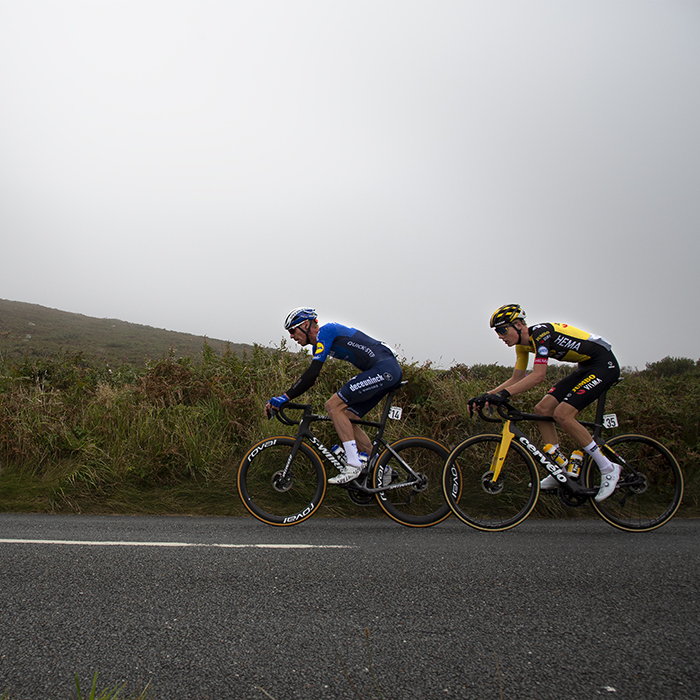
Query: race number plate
610,420
395,413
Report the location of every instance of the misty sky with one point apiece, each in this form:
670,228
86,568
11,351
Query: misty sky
403,166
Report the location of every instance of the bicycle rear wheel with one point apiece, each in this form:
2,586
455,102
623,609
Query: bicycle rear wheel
270,497
645,500
472,495
423,503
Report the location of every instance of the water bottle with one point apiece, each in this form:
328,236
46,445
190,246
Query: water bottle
557,457
339,453
575,463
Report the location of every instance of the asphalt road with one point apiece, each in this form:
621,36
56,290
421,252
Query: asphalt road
369,610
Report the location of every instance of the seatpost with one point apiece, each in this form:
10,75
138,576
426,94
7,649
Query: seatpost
385,414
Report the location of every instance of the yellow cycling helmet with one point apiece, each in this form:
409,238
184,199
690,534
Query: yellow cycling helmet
504,315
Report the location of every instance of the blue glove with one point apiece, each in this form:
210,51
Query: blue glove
277,401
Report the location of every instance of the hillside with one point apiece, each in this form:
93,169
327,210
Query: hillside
37,330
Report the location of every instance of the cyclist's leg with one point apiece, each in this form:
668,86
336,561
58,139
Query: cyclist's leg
593,379
566,416
340,413
546,407
337,411
358,396
568,397
364,444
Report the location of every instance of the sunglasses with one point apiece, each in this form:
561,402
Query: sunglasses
502,330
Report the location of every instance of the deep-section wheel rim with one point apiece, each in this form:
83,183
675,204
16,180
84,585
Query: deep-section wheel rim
421,505
477,501
643,503
258,482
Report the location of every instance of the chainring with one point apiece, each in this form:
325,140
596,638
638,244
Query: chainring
361,499
570,500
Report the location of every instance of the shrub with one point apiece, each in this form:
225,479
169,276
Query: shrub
75,429
672,366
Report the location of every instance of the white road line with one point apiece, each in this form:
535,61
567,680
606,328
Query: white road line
106,543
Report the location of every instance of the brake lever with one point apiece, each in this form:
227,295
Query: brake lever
488,418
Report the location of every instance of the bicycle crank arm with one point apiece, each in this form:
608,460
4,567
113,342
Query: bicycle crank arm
576,489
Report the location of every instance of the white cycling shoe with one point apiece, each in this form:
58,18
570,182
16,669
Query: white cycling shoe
347,473
550,482
608,482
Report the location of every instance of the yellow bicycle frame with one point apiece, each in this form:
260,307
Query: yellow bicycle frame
499,455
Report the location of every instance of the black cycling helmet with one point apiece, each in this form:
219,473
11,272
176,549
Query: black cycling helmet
505,315
297,316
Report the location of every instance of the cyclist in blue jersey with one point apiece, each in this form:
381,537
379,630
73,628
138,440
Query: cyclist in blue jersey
380,372
597,370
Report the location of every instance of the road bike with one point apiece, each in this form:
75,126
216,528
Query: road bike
491,481
282,480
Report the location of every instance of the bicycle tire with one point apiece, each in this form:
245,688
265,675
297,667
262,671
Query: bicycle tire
472,496
285,504
421,505
645,506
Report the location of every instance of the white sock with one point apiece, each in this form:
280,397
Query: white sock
351,453
604,464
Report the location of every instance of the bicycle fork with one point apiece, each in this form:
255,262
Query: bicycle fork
282,480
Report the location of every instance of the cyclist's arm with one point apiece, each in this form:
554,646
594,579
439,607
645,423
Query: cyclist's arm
517,376
521,381
306,381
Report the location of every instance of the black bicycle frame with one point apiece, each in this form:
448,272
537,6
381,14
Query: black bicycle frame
304,431
511,432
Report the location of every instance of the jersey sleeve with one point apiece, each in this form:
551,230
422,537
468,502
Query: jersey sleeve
306,381
541,337
324,341
522,357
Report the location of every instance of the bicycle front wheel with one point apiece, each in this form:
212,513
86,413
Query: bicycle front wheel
650,489
475,498
277,498
410,500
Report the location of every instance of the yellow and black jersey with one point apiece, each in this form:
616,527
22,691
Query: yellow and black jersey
561,342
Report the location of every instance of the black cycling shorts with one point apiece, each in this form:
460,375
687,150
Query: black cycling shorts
583,386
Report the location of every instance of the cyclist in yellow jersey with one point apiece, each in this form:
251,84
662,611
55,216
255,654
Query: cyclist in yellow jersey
597,370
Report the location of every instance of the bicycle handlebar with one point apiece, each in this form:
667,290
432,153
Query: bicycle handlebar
488,418
282,417
509,412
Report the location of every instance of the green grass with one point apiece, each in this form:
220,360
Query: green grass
118,692
166,436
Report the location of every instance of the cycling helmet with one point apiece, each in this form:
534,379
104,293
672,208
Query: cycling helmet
297,316
504,315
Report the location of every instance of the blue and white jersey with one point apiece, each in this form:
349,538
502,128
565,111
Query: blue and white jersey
351,345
